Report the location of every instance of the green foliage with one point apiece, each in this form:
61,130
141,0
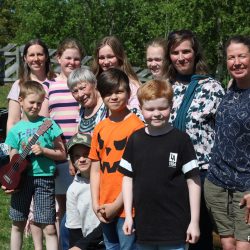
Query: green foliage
135,22
7,21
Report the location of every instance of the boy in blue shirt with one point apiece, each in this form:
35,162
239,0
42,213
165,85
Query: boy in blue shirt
38,182
161,177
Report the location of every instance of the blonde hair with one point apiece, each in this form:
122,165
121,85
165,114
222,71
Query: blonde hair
31,87
114,43
162,43
70,43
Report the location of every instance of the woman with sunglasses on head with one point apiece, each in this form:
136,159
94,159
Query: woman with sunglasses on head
195,103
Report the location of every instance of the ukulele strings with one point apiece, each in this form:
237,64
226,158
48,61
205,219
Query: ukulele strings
22,156
43,128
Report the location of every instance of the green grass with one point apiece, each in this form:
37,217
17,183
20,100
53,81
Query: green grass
6,225
4,90
4,199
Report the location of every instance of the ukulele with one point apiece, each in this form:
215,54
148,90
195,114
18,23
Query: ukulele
10,174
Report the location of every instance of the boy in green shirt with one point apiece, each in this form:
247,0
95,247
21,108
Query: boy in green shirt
39,180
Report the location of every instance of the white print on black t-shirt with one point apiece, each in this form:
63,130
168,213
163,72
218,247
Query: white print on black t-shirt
173,160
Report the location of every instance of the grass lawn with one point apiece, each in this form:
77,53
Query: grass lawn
4,90
6,225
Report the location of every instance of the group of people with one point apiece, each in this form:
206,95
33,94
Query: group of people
126,165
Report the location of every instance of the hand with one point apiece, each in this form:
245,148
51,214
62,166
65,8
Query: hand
128,226
9,191
193,233
37,149
109,211
100,214
245,201
72,170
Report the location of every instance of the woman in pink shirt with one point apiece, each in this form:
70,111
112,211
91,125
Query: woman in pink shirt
35,66
64,110
109,53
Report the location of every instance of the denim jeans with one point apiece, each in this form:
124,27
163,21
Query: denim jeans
161,247
64,235
115,239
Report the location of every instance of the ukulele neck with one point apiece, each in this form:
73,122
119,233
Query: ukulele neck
28,146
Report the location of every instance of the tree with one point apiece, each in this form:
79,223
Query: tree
7,21
213,21
135,22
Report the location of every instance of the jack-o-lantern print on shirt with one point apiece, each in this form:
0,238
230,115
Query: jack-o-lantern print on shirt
108,144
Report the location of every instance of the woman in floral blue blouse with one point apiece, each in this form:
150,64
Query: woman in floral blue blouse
196,99
228,178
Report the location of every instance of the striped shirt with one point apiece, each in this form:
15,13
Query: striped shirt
63,108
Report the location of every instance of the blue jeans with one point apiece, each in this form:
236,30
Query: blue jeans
115,239
64,234
161,247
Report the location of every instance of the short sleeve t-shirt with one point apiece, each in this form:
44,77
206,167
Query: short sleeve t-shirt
14,91
79,211
63,108
108,143
18,137
159,166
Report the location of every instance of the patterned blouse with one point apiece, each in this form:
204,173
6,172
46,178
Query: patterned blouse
200,120
87,125
230,163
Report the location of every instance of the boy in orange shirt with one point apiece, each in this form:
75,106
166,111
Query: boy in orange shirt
108,143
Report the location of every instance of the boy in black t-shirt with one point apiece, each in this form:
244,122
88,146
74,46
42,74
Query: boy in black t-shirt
161,176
